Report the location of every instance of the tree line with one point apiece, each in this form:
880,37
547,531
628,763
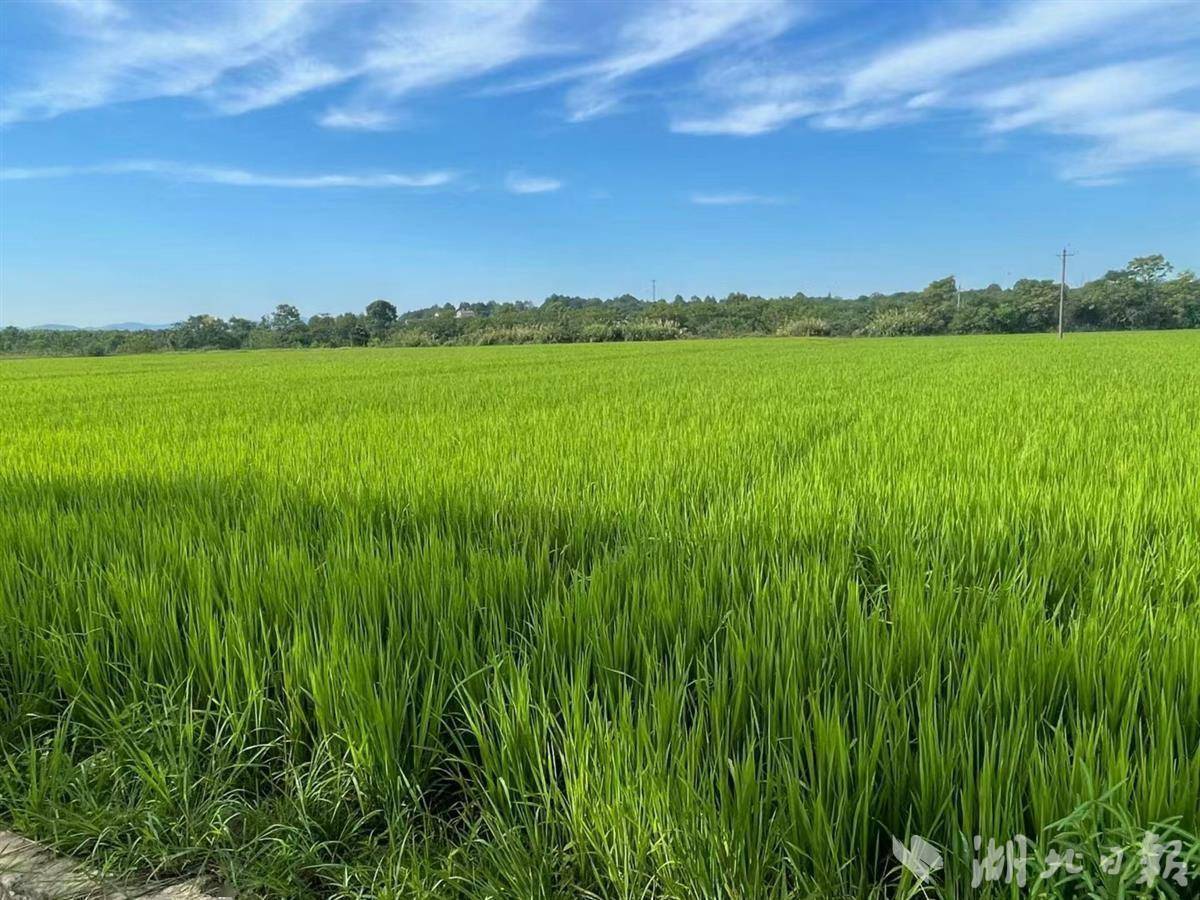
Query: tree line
1146,294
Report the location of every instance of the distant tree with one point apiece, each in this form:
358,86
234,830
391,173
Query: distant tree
1149,270
285,317
351,331
322,330
380,316
137,342
263,338
1032,306
240,329
937,303
202,332
11,339
288,326
1181,297
944,290
974,318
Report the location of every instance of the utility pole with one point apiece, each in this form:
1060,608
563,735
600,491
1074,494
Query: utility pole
1062,291
653,291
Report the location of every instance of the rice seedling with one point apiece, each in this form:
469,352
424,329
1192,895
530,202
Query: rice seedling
697,619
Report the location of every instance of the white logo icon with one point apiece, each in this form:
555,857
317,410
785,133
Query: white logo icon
920,857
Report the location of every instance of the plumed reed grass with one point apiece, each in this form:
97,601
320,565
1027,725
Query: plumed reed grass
694,620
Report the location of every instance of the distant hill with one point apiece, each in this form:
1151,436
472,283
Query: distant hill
133,326
116,326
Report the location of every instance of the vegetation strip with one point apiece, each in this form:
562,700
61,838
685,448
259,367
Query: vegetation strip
1142,295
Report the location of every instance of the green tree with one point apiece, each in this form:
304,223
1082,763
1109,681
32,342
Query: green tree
1032,306
940,292
1149,270
351,330
202,332
285,317
322,330
240,329
380,316
288,326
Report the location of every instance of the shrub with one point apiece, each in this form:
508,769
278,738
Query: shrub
807,326
595,332
410,337
650,330
896,322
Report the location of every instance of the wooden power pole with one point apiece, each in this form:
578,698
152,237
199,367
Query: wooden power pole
1062,291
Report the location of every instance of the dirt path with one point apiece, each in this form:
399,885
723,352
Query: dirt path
29,871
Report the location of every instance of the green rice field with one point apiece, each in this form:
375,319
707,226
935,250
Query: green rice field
702,619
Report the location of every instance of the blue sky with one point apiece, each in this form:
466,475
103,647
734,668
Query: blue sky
160,159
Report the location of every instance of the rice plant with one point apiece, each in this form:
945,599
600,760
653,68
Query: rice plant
694,619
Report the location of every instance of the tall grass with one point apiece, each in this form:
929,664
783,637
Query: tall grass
698,620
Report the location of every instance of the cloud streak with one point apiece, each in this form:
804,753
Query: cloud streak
109,54
733,198
427,45
1032,66
1026,28
1123,114
240,57
234,177
665,34
520,183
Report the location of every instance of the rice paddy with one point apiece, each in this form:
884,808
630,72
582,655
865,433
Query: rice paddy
705,619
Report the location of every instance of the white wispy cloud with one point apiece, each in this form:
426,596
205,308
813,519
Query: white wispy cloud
895,84
359,120
752,98
520,183
274,82
665,34
1022,29
1086,72
1121,113
1006,71
431,44
1133,140
732,198
660,35
112,54
97,12
253,54
1061,101
233,177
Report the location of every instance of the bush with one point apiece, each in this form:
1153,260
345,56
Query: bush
808,326
519,334
896,322
596,332
137,342
410,337
650,330
263,339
